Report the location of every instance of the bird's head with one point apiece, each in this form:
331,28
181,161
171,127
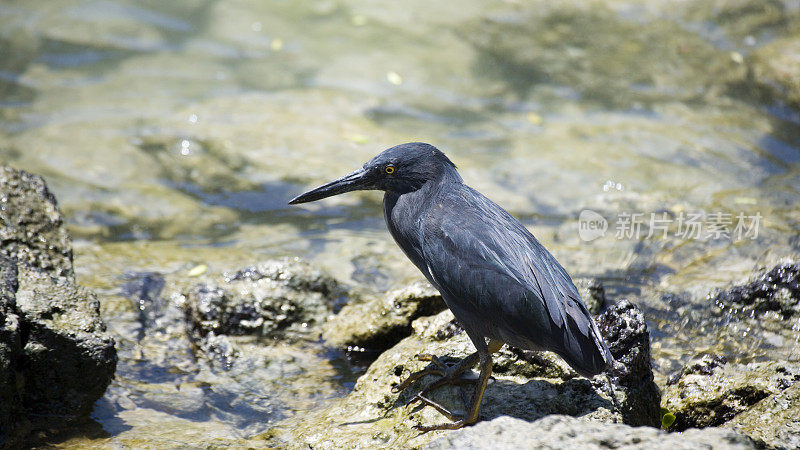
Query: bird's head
401,169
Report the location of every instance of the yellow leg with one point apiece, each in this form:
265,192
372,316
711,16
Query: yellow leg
451,375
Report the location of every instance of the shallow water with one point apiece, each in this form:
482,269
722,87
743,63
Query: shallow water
173,133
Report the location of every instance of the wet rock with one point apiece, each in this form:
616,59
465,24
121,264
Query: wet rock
56,358
276,299
718,392
374,415
625,331
31,227
777,65
381,322
565,432
776,290
705,365
69,359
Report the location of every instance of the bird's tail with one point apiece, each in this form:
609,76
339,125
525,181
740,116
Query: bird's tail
585,350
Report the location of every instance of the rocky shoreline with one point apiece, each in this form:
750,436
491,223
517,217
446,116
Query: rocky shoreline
57,358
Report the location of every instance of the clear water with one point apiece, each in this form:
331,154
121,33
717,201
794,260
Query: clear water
173,133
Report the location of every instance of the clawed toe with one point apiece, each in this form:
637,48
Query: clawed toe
416,376
433,359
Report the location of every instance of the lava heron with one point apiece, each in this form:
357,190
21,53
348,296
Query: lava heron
500,283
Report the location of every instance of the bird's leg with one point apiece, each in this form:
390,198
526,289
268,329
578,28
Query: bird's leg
474,406
451,375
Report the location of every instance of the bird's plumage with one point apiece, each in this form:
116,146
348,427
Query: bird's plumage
498,280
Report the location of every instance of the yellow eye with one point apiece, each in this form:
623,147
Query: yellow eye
389,169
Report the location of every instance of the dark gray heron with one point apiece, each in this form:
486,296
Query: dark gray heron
500,283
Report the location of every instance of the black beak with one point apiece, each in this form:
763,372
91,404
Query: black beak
353,182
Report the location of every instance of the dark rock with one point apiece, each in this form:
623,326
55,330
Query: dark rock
625,330
13,422
278,299
56,358
704,365
31,227
565,432
776,290
296,275
69,359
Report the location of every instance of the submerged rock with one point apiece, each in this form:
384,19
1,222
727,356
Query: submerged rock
381,322
526,386
777,65
276,299
567,45
56,358
565,432
759,399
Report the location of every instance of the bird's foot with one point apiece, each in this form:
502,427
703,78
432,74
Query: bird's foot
447,374
458,420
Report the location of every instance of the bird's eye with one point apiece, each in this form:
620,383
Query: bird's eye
389,169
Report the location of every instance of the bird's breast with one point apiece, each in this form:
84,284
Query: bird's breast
404,219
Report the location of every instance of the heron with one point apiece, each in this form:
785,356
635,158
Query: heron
501,284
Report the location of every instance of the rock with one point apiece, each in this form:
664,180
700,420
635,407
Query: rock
773,422
715,396
56,358
373,415
776,290
277,299
381,322
564,45
705,365
31,227
13,422
777,65
69,359
593,294
625,330
565,432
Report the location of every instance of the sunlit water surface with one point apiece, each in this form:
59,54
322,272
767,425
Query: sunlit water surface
173,133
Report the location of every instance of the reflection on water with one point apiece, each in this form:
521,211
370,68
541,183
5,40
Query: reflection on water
188,125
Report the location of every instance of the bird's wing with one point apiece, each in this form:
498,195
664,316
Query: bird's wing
491,265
